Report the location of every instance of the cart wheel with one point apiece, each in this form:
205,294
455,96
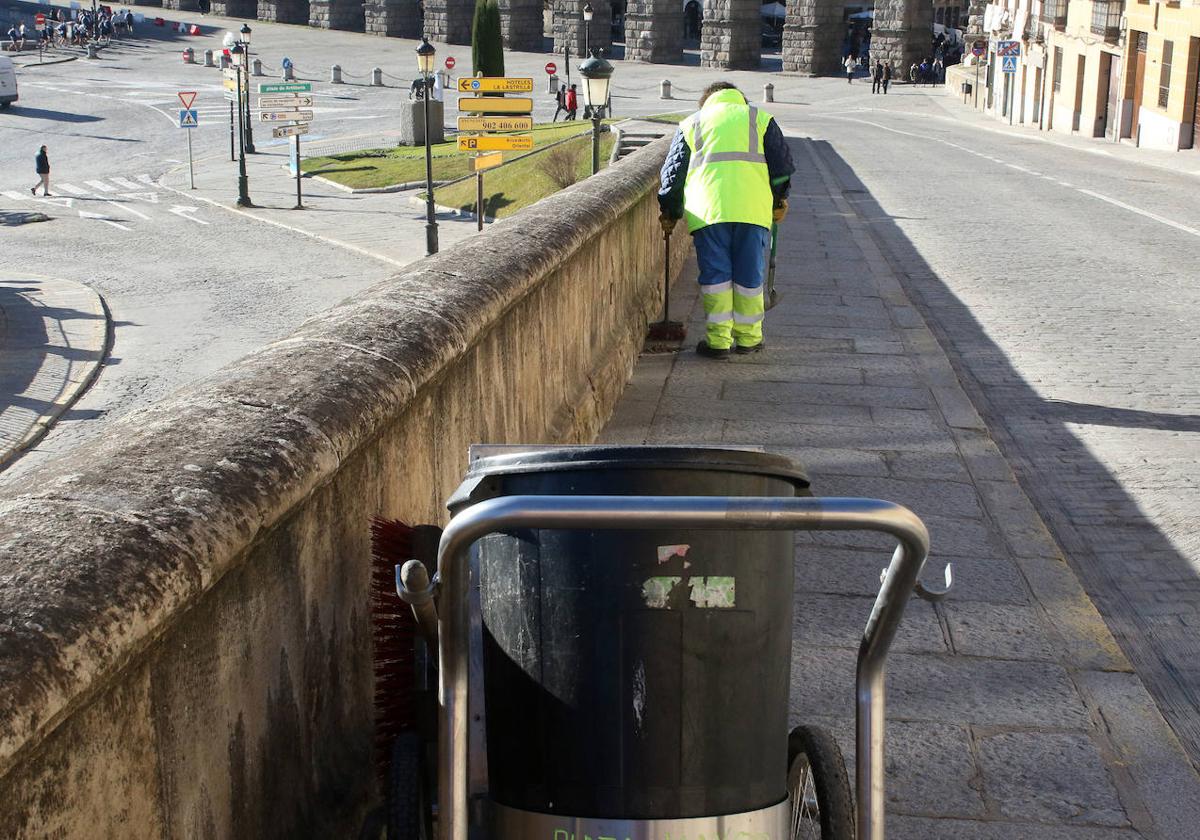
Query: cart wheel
409,816
818,787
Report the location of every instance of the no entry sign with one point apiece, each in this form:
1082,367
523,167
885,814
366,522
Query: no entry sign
39,21
979,48
450,62
551,68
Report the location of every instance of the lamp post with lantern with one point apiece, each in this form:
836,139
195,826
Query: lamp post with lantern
587,28
597,75
237,55
425,56
244,40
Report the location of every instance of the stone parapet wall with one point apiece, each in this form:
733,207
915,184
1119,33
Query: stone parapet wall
181,5
569,29
234,8
449,21
393,18
336,14
283,11
902,34
812,37
654,31
731,35
521,25
184,632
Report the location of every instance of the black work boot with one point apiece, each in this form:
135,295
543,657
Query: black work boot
711,352
753,348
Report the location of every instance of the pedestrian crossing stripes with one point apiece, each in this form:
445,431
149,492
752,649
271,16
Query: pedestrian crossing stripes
100,186
110,201
71,189
125,183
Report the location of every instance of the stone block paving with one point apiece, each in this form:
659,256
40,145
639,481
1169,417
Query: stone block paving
1012,713
54,335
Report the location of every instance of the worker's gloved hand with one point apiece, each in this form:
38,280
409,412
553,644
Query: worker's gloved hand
668,224
780,211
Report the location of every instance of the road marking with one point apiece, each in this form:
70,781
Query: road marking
149,197
183,212
57,202
83,214
71,188
1160,219
100,186
146,179
15,196
125,208
125,183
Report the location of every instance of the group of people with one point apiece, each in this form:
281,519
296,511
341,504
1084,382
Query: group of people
567,100
74,27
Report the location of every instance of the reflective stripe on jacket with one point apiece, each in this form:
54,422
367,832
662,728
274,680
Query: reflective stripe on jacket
727,178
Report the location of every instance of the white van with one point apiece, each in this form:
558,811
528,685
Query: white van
8,82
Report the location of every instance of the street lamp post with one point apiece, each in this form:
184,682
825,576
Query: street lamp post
237,54
597,75
244,40
587,28
425,55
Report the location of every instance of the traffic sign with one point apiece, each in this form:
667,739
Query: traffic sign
495,123
286,87
297,101
285,116
979,48
290,130
551,68
488,143
1008,48
39,21
231,84
188,118
482,162
186,98
496,105
495,85
1010,63
450,62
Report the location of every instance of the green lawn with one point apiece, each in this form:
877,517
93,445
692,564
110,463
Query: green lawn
669,118
385,167
507,189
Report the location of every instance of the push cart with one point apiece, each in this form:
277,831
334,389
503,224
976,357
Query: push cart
614,637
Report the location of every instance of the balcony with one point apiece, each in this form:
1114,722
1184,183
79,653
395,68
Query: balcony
1054,13
1106,20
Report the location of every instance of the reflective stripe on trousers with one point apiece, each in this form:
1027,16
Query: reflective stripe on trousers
732,313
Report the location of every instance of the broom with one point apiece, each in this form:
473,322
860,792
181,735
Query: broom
772,297
666,330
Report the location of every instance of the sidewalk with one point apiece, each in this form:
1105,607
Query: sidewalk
1012,712
54,335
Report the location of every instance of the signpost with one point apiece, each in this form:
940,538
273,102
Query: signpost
298,100
495,123
284,116
494,105
39,23
551,68
286,87
189,118
291,131
496,143
283,104
1009,52
450,62
496,84
1008,48
1008,63
487,107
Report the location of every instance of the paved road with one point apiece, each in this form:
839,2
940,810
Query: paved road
1063,286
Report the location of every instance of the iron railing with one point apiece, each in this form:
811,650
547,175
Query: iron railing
1054,13
1106,20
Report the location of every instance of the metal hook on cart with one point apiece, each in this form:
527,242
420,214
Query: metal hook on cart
925,593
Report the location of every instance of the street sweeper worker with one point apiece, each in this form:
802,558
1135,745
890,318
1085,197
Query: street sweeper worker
728,172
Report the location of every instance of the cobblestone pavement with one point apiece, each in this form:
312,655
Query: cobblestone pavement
1066,296
1012,711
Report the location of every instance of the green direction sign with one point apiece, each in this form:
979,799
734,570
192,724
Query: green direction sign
287,87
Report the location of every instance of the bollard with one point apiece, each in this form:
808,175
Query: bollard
189,57
553,87
226,63
91,51
664,90
256,67
289,74
377,77
208,59
768,92
335,75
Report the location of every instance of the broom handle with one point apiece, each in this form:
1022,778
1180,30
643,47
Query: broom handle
666,277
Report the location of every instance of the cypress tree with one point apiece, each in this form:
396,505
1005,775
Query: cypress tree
487,45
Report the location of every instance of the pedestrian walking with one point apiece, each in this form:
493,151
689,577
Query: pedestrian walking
42,164
571,102
731,185
12,36
560,102
887,77
850,64
877,77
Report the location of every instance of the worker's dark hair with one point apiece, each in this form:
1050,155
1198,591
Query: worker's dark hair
716,86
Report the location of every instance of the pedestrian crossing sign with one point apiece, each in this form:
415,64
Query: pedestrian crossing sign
1010,63
188,118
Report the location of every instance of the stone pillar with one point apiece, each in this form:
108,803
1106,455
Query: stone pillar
654,31
449,21
336,14
283,11
902,34
182,5
973,27
521,24
812,37
569,27
234,8
393,18
731,35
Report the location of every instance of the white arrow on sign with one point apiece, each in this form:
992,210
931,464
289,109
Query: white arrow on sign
285,116
290,130
299,100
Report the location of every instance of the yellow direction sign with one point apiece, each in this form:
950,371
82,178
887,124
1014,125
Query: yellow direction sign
496,105
509,143
483,162
495,85
495,123
231,84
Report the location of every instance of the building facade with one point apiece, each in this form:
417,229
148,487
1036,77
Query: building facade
1162,57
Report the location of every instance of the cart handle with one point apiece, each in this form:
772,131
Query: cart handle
723,513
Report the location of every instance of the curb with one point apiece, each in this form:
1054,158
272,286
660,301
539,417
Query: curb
24,65
391,188
42,425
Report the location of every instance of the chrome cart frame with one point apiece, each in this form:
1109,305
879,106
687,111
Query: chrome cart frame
723,513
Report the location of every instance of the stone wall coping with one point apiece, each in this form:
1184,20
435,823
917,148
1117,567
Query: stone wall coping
102,549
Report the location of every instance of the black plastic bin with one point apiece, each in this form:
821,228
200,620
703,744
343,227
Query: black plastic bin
636,674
